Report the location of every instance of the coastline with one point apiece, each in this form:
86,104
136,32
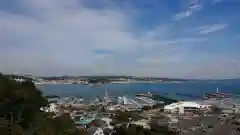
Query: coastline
116,82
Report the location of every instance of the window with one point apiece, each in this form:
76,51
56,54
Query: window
190,108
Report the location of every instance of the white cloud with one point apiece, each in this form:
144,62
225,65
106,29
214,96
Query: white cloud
192,7
182,15
57,37
61,33
211,28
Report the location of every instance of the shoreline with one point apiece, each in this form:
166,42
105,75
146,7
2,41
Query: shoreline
127,82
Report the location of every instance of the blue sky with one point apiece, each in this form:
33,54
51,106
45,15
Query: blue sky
164,38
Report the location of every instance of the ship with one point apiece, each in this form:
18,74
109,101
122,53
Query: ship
217,94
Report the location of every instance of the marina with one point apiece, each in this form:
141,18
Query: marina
142,108
112,104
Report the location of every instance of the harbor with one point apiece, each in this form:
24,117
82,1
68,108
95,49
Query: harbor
143,109
119,67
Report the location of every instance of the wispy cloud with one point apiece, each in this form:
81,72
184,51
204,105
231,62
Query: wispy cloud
193,6
182,15
211,28
185,40
219,1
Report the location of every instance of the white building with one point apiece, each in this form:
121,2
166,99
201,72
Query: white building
183,107
51,108
94,131
20,80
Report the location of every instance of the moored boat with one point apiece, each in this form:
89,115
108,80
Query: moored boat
148,94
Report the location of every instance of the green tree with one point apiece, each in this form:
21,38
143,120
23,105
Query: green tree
216,110
20,102
20,114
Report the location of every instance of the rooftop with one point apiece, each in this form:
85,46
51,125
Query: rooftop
182,104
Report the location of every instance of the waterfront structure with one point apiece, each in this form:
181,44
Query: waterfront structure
107,100
229,103
150,102
217,95
136,103
72,101
128,104
184,106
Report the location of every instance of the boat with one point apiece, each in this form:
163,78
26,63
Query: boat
97,100
148,94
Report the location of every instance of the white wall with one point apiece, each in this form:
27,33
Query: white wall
181,110
99,132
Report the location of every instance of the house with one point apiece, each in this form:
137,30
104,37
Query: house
95,131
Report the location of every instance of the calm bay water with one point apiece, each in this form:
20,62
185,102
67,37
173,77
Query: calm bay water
173,90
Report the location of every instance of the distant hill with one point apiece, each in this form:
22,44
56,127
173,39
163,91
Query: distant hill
24,78
112,78
108,79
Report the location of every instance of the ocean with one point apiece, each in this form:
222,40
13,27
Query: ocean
176,90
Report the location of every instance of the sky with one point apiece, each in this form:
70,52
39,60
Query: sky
161,38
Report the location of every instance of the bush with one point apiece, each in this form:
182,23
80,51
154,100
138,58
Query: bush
216,110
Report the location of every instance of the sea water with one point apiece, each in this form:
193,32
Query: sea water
176,90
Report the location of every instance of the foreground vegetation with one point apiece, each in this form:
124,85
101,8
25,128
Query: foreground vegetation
20,114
